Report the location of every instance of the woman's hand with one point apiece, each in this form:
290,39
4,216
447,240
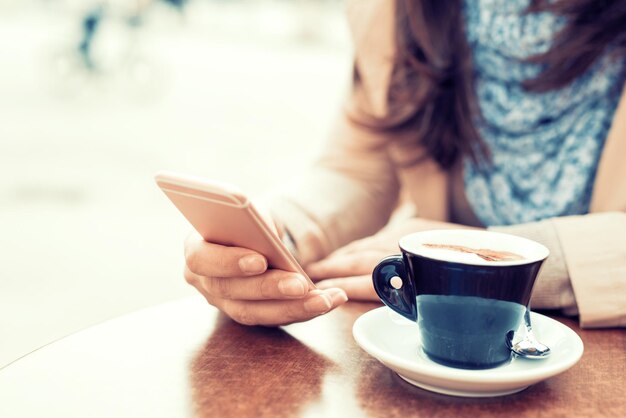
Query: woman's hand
238,282
350,267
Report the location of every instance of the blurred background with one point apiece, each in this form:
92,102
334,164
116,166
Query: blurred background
95,96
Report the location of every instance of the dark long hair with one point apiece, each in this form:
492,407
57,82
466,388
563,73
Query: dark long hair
431,93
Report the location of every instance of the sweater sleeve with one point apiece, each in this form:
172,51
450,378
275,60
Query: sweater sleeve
586,270
553,289
594,248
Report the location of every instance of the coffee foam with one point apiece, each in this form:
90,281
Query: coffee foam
451,255
418,244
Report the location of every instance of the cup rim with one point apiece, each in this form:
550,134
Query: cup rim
542,250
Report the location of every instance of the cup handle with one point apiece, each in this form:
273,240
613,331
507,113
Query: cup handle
401,300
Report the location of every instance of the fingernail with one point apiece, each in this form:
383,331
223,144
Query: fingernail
318,304
337,295
292,287
252,264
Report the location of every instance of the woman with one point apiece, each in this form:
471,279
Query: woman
475,113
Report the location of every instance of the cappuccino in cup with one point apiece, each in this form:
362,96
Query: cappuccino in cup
466,289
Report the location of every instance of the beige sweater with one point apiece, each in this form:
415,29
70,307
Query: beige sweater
353,188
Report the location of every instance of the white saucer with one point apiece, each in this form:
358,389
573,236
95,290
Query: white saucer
394,341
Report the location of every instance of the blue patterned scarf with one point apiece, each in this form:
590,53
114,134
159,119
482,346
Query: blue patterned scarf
545,147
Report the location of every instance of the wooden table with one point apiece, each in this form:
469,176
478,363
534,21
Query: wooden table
185,359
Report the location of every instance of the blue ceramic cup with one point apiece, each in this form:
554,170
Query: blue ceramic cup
466,289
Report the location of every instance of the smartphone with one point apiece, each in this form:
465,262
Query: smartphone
222,214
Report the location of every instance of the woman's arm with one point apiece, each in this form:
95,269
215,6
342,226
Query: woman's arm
352,189
349,193
585,273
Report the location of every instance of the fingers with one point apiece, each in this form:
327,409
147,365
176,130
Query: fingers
236,281
356,288
214,260
344,265
355,246
272,312
273,284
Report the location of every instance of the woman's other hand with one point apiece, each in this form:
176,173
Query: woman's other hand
238,282
350,267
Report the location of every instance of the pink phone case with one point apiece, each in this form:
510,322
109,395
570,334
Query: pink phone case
222,214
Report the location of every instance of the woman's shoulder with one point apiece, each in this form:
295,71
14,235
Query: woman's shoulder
373,21
372,28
